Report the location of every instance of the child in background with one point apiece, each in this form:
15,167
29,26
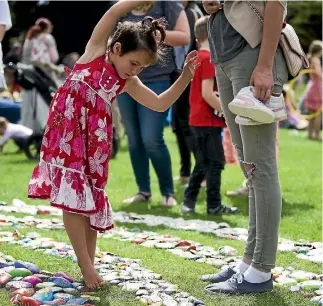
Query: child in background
18,133
313,99
206,129
77,143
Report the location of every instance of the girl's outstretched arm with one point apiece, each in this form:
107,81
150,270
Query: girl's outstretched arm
97,45
143,95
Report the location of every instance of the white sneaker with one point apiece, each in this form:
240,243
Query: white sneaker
245,104
246,121
276,104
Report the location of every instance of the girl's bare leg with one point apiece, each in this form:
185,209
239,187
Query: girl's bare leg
91,237
317,126
75,228
310,128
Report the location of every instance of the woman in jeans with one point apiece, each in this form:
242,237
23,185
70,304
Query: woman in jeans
144,127
246,52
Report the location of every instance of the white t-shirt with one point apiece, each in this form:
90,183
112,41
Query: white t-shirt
15,131
5,17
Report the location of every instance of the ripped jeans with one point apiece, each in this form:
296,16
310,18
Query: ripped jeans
256,149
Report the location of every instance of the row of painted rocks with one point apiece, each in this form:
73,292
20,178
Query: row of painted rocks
307,251
307,283
188,249
148,286
296,280
29,286
312,251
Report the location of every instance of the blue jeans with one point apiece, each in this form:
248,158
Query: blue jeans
144,128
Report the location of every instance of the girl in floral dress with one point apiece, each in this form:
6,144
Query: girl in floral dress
73,168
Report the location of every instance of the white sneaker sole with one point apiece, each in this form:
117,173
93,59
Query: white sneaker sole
253,123
261,115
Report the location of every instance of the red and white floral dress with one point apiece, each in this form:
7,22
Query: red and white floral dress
77,144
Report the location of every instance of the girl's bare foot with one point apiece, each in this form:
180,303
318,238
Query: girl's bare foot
91,278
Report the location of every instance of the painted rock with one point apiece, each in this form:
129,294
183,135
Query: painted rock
45,285
78,301
44,295
4,278
29,301
18,285
45,272
27,265
20,272
32,267
183,243
64,275
20,264
33,280
8,258
64,296
319,292
75,285
91,298
302,276
311,285
71,291
228,251
285,281
166,245
60,282
56,302
24,292
216,262
43,277
3,265
32,235
318,300
53,289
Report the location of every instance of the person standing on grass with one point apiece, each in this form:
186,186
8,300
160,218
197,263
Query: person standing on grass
246,52
77,143
313,98
206,129
145,128
5,25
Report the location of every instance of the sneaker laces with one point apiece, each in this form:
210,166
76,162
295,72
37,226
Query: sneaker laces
237,278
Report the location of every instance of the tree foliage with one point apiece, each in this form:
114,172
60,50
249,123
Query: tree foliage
306,18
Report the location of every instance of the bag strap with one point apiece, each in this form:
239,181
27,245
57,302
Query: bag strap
258,14
256,11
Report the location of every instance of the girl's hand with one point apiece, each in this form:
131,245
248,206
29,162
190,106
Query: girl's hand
190,65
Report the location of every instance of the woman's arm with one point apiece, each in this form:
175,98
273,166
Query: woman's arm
52,49
180,35
2,31
143,95
97,44
262,77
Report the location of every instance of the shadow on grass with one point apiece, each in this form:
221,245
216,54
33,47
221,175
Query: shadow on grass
155,208
22,161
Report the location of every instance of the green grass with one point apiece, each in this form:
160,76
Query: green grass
300,172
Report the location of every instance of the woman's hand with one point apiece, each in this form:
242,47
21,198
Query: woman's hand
211,7
190,65
263,81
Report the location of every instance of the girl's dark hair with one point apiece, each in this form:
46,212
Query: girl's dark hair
134,36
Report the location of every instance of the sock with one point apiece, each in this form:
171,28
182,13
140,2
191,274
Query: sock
252,275
242,267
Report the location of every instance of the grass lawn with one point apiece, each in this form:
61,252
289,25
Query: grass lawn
300,172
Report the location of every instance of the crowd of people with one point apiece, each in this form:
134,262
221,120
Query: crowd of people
227,86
